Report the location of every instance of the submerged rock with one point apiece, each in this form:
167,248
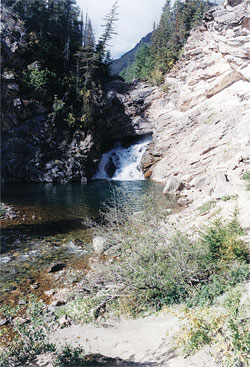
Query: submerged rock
56,267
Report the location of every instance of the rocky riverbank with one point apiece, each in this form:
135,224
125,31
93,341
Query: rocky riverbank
78,300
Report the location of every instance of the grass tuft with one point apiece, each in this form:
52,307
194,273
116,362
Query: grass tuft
246,177
207,206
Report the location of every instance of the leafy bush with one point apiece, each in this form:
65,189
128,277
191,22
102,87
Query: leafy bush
200,328
154,265
57,105
3,211
228,330
217,284
223,241
71,120
80,310
228,197
37,79
234,347
31,336
166,87
70,357
246,176
156,77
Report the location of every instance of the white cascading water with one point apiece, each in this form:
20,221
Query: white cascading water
126,162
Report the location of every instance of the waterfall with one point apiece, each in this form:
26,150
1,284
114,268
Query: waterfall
123,163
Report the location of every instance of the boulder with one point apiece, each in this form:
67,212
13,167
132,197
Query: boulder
100,245
184,201
64,321
173,186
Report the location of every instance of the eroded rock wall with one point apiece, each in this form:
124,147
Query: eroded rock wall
201,140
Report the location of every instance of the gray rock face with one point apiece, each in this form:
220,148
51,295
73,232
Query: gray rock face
125,107
13,38
37,151
202,123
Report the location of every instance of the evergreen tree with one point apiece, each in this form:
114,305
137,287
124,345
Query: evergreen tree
108,33
67,64
161,38
167,40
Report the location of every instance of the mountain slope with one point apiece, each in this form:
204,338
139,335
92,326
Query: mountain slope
120,64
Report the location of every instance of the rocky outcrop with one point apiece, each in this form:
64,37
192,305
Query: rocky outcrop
201,140
36,148
125,107
33,147
13,38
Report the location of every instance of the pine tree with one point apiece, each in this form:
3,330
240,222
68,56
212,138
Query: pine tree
108,33
161,37
167,39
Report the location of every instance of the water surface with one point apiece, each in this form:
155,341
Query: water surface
74,199
50,226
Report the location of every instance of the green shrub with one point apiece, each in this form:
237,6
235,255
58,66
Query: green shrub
80,310
228,197
70,357
228,330
156,77
223,242
207,206
199,329
3,211
217,284
166,87
234,347
37,79
31,337
246,177
70,120
155,266
58,105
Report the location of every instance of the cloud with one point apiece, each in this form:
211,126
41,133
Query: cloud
135,20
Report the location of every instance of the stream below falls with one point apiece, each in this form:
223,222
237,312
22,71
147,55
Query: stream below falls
50,222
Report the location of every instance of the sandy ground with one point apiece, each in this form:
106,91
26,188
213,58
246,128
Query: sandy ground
146,342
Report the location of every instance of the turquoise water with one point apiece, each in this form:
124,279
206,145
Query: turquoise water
51,222
74,199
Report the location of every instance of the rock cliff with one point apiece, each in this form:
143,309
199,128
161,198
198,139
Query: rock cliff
201,140
200,118
34,147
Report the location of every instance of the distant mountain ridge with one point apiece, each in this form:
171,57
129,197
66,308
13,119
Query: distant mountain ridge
120,64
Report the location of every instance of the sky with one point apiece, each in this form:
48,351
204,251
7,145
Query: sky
135,20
